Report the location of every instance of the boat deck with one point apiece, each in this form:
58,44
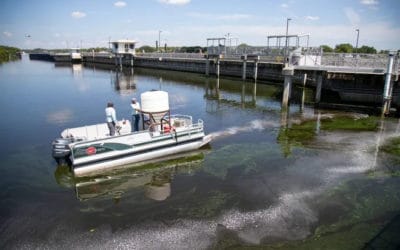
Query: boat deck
97,131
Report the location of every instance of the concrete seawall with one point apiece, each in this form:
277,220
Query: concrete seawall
264,71
232,68
355,87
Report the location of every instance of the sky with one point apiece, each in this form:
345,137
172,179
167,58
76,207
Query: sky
51,24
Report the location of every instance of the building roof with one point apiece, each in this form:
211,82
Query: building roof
124,41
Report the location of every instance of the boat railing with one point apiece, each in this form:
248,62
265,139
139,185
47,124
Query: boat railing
179,120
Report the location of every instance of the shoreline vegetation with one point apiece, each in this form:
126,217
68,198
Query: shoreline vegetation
9,53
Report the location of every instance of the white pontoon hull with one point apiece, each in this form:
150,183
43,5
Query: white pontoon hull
107,165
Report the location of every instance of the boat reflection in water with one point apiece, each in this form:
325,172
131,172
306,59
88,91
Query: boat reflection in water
154,178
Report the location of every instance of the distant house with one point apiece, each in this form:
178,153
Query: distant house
123,47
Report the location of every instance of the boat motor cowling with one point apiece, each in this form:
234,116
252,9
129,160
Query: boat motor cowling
61,148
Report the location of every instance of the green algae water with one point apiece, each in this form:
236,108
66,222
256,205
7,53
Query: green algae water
306,178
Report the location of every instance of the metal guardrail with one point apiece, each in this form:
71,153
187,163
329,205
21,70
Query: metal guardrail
172,55
377,62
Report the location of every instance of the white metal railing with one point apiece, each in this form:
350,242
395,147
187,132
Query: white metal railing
172,55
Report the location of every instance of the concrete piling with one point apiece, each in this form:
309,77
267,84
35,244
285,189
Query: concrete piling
244,58
218,67
207,66
255,70
387,91
288,73
319,88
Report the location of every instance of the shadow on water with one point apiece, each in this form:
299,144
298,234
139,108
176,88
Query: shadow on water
155,178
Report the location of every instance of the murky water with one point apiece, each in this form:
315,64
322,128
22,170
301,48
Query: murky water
306,178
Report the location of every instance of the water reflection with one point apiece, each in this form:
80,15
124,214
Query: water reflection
154,179
76,69
124,81
214,97
60,117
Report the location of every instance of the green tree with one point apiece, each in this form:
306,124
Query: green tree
192,49
8,53
147,49
344,48
326,48
366,49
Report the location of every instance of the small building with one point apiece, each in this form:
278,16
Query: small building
123,47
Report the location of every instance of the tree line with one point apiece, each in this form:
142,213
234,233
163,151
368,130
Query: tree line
348,48
9,53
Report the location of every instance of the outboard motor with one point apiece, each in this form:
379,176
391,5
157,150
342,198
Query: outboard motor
61,150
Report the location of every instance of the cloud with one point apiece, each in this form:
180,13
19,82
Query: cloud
120,4
353,16
312,18
7,34
78,14
60,117
175,2
369,2
284,5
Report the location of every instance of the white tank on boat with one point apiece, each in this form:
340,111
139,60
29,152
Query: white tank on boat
154,101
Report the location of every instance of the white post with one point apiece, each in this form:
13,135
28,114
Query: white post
244,67
218,67
319,88
207,66
387,92
288,73
255,69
